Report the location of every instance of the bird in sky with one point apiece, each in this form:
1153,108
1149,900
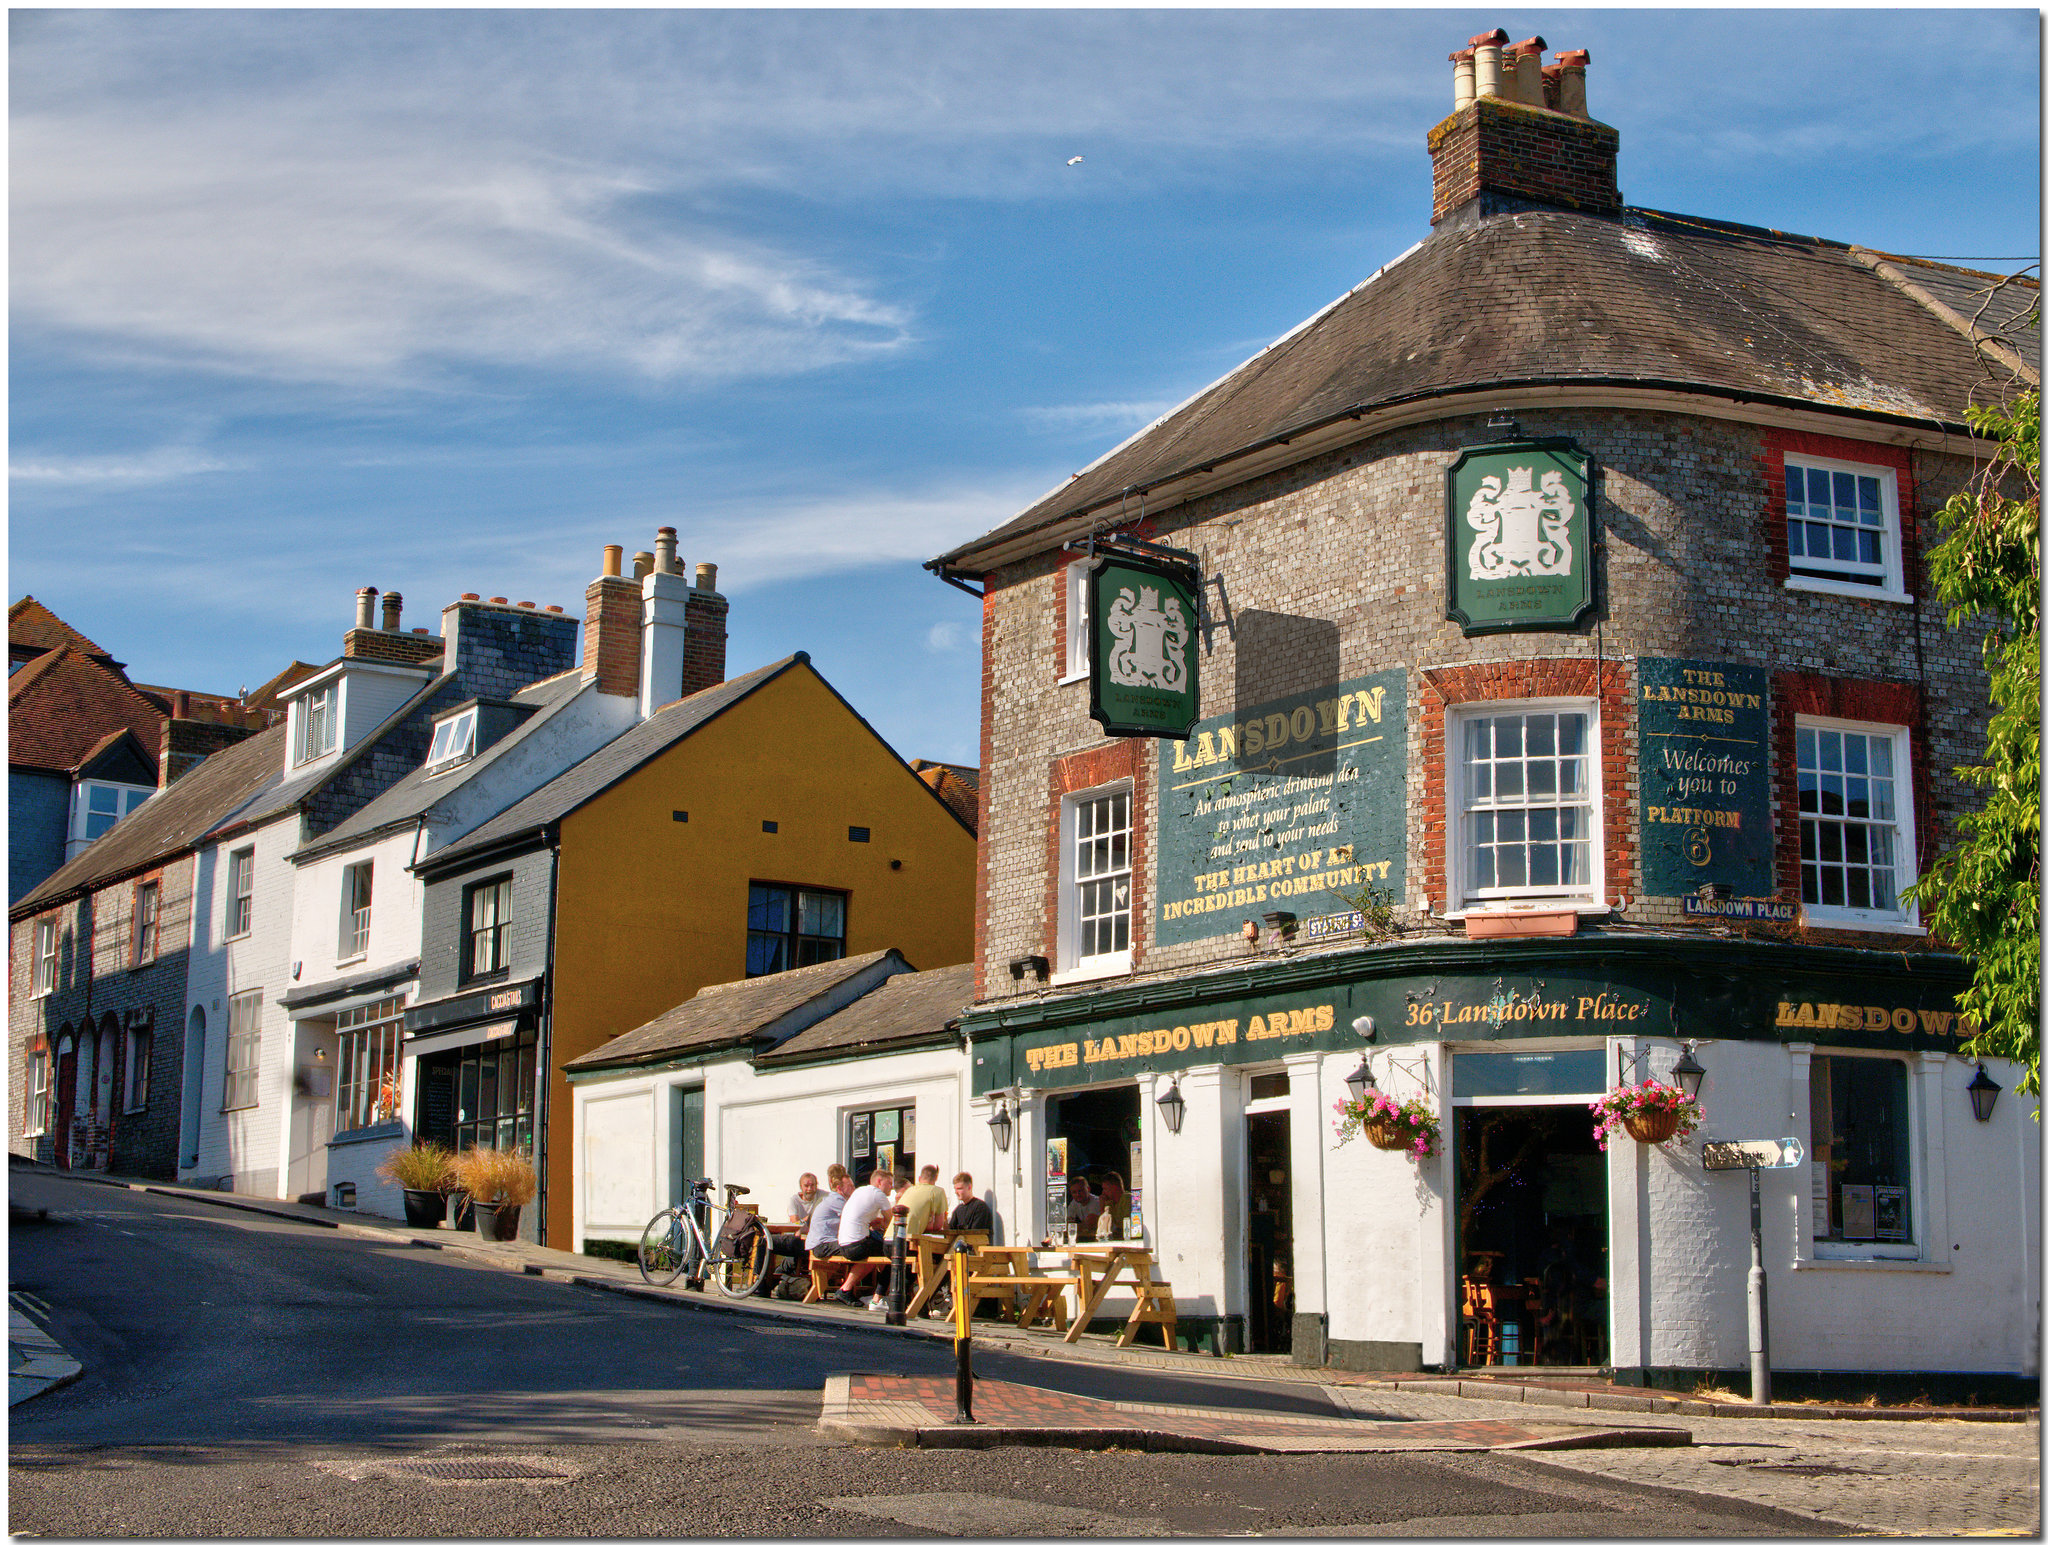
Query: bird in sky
1074,161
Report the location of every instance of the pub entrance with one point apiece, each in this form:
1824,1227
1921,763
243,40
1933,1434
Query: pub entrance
1089,1134
1269,1216
1532,1208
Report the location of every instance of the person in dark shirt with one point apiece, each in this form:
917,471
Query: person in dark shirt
973,1212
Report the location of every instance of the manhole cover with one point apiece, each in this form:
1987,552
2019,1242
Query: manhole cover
1792,1469
483,1468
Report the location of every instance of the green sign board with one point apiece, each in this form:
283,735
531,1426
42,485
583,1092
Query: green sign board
1294,805
1144,659
1518,528
1706,777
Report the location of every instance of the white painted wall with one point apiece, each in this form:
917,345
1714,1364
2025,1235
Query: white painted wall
372,693
395,901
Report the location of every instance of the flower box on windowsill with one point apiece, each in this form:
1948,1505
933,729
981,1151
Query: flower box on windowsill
1523,923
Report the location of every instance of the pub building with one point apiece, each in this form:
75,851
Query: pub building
1520,677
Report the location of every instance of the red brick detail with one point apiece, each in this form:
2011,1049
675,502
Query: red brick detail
611,635
703,640
1519,680
1498,146
1835,697
1777,442
988,772
399,648
1074,774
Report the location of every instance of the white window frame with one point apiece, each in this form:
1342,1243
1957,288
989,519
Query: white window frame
1887,579
45,967
241,913
35,1108
1906,917
1590,897
239,1086
1076,581
367,1064
499,888
1072,966
127,798
454,740
1927,1228
356,898
148,936
311,738
135,1073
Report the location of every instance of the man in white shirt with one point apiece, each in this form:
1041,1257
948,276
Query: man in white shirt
865,1210
806,1199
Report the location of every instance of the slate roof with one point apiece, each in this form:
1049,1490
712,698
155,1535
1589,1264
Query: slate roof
959,787
169,822
33,626
727,1013
63,705
419,791
613,761
917,1006
1543,297
291,792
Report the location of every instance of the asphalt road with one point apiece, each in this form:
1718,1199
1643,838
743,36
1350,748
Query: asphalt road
247,1376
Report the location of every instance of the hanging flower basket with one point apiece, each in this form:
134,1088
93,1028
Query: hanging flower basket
1411,1128
1649,1112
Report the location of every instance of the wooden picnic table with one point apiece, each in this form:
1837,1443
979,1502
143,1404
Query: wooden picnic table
929,1261
1005,1274
1096,1268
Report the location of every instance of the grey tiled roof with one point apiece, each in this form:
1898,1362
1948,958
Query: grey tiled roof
727,1013
613,761
290,792
171,821
1545,297
916,1006
418,791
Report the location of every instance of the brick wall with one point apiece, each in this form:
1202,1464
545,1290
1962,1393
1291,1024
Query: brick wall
185,743
1355,538
414,648
611,635
1093,769
703,640
1501,147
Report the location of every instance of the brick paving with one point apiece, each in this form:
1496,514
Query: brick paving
919,1411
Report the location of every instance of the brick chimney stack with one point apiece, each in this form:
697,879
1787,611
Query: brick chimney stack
367,641
704,633
1518,135
611,629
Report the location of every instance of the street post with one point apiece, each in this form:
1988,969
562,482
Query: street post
963,1345
1755,1155
896,1269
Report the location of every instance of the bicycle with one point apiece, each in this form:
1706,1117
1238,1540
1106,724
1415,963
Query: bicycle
704,1239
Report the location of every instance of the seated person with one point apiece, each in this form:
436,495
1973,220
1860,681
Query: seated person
1115,1205
860,1235
823,1229
1083,1208
806,1200
973,1212
927,1203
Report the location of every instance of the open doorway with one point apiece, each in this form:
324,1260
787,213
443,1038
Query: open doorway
1269,1223
1088,1135
1532,1236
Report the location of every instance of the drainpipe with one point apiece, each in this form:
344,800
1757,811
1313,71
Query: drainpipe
544,1043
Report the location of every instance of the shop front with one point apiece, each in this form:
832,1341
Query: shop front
477,1066
1521,1240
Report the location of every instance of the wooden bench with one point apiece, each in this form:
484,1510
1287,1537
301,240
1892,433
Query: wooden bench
1039,1294
1155,1307
825,1269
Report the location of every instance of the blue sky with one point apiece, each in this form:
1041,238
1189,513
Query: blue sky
445,300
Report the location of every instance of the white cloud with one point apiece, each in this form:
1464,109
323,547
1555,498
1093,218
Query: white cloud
155,466
1086,417
944,638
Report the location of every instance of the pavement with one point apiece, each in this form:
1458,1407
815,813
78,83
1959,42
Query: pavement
35,1363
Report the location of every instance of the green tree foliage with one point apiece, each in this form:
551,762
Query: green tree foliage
1983,896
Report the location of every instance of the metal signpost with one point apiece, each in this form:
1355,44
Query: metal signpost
1753,1155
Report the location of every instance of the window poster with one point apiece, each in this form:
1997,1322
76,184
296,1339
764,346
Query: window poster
857,1141
1136,1228
885,1157
1706,785
1055,1186
1888,1205
1298,804
1859,1212
888,1127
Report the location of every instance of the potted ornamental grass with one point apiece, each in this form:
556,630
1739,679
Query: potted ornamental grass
1409,1127
423,1172
1649,1112
499,1181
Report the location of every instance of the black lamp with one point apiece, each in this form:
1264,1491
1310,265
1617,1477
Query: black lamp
1983,1094
1688,1072
1172,1106
999,1126
1360,1079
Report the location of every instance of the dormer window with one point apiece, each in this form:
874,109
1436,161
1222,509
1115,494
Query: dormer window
454,739
318,713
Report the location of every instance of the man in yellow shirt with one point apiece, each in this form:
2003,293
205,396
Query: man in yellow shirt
927,1203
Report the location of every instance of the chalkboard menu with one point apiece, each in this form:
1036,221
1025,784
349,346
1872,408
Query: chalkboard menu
1294,805
1706,777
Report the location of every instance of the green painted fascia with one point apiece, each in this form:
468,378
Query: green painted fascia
858,1053
1456,957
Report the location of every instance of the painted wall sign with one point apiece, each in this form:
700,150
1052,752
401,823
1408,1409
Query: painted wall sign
1750,909
1295,805
1706,778
1518,536
1144,659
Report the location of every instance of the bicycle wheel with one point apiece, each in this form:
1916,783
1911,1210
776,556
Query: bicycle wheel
738,1275
666,1248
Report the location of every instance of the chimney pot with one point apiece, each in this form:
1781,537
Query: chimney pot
422,632
1486,66
498,600
643,564
614,555
471,595
1571,82
1496,38
1528,72
366,606
555,609
394,606
665,551
707,576
526,606
1461,80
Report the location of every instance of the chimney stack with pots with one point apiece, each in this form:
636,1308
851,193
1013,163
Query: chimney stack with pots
1518,136
367,641
704,642
394,607
664,617
611,628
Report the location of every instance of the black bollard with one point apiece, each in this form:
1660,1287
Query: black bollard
897,1285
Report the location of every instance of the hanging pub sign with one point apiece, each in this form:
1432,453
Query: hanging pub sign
1143,656
1518,526
1706,787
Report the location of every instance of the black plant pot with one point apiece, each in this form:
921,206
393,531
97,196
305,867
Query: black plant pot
425,1209
496,1220
460,1210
